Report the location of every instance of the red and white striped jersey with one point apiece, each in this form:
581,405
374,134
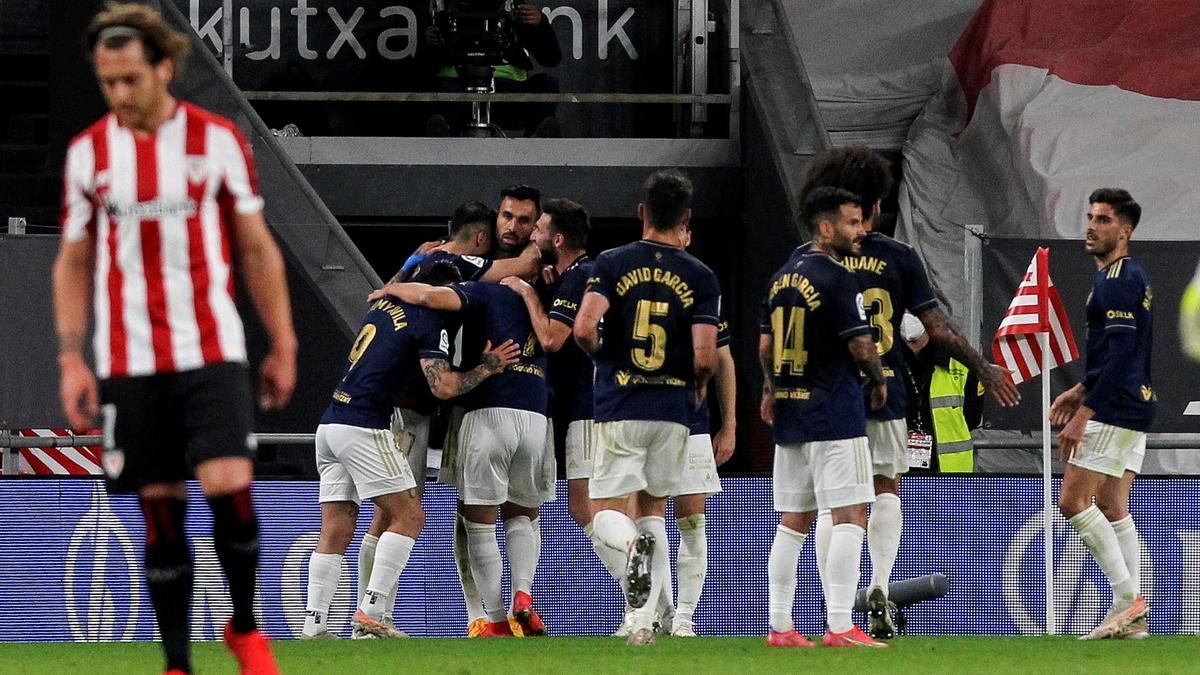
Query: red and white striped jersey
160,210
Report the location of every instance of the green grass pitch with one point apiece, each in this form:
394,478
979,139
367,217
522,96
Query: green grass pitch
678,656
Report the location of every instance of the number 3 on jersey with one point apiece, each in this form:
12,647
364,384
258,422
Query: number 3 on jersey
878,305
789,340
654,354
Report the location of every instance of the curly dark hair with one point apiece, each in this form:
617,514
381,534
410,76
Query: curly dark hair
854,168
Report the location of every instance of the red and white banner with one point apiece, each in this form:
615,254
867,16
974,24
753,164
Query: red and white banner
77,461
1036,308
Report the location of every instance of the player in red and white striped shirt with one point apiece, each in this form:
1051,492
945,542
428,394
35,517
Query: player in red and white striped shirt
159,200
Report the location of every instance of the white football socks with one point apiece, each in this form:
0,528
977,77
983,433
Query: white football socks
520,545
611,533
1098,535
821,535
842,568
323,572
1131,549
462,561
391,556
692,565
366,559
781,574
883,537
660,567
486,568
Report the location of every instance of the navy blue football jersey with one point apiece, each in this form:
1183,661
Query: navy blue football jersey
656,292
571,369
499,314
892,279
813,308
384,360
1119,336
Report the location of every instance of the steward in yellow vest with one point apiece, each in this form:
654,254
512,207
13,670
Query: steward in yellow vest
948,401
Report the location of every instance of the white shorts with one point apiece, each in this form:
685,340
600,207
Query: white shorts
822,475
700,473
1110,450
450,472
357,463
635,455
889,447
503,457
581,444
411,430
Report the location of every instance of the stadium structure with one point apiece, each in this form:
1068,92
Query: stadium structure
998,117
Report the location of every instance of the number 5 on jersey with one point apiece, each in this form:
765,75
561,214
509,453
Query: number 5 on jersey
654,354
789,340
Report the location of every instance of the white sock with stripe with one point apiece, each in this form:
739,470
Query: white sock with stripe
391,556
487,568
323,572
462,561
366,559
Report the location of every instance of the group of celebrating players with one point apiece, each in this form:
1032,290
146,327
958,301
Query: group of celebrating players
517,330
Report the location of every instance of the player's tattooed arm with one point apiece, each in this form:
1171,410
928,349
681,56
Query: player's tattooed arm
949,337
766,358
865,354
446,383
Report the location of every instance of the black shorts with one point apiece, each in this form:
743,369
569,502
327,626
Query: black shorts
158,428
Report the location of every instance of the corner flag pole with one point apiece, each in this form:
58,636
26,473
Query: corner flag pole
1043,282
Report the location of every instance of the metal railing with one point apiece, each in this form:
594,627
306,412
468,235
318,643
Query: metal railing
692,21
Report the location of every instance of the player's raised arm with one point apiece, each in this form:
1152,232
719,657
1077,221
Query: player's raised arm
441,298
525,266
949,337
551,334
446,383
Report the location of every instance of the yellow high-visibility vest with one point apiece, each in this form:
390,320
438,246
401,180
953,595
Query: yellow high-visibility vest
947,394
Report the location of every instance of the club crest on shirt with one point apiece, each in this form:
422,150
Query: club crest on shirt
530,346
197,170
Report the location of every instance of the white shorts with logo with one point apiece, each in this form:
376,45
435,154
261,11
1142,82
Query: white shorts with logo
581,448
822,475
356,463
700,472
411,430
1110,450
502,452
635,455
889,446
450,472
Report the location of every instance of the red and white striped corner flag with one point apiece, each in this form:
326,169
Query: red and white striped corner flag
1036,308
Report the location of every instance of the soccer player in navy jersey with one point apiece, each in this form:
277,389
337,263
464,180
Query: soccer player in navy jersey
503,464
893,280
561,236
1106,416
359,458
814,340
660,308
